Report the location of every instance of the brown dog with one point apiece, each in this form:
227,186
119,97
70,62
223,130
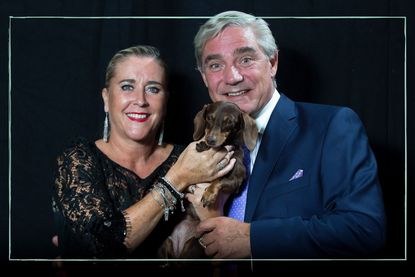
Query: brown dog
220,124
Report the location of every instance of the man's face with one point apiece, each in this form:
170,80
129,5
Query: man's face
235,69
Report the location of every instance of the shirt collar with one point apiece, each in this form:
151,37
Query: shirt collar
264,115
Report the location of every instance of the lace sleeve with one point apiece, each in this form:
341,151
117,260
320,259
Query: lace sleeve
92,227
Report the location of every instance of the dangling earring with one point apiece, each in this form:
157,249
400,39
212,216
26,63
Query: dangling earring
106,128
161,134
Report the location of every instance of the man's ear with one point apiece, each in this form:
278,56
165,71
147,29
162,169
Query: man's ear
274,64
105,97
203,77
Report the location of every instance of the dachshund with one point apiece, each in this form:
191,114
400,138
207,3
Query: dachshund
219,124
223,123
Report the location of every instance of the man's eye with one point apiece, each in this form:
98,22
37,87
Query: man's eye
153,90
214,67
246,61
127,87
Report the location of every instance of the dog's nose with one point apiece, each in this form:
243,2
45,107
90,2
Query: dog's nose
211,140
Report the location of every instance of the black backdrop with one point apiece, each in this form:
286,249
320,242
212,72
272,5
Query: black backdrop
57,66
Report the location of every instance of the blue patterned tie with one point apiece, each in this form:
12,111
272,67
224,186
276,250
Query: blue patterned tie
237,207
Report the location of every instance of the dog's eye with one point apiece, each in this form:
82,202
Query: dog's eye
228,122
229,119
210,117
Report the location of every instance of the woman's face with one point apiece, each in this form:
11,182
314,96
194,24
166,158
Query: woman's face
136,99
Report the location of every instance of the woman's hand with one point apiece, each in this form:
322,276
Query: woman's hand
194,167
194,196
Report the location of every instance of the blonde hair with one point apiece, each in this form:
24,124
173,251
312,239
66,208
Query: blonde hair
138,51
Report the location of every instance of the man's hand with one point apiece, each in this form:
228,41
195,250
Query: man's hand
225,238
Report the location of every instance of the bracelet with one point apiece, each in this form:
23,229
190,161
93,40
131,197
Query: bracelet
169,202
172,189
161,203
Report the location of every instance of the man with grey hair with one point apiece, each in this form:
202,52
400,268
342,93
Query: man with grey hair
313,190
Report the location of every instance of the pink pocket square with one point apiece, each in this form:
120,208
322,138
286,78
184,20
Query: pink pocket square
297,175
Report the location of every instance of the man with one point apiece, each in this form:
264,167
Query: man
313,191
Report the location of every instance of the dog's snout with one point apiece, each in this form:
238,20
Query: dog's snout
211,140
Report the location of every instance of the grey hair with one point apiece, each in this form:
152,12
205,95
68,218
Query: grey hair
215,25
138,51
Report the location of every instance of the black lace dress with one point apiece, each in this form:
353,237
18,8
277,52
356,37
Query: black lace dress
89,195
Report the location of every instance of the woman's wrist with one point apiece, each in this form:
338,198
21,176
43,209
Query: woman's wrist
175,180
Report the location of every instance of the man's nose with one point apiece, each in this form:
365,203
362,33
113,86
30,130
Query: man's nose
233,76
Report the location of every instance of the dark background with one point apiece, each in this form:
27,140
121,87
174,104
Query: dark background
57,72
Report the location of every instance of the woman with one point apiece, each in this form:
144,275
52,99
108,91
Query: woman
119,196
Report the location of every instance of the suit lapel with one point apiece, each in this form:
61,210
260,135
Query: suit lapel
279,128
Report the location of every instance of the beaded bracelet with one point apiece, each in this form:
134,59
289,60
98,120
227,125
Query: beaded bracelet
178,195
169,201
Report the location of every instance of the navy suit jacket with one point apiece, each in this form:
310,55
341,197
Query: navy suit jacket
336,208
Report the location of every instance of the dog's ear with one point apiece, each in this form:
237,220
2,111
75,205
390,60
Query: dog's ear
199,124
250,132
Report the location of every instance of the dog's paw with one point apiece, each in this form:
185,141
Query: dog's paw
202,146
208,199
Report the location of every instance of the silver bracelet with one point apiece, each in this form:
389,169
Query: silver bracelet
168,199
161,204
172,189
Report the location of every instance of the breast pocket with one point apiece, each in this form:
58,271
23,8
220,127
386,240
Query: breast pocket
274,190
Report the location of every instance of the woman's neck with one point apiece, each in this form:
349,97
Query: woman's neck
141,158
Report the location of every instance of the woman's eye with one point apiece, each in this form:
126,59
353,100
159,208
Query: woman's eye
153,90
127,87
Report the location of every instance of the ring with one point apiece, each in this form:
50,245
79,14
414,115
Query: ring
192,188
221,165
201,242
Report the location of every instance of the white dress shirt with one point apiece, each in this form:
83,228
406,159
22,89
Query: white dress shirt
262,121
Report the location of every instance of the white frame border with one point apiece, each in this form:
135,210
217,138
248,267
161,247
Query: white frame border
207,17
